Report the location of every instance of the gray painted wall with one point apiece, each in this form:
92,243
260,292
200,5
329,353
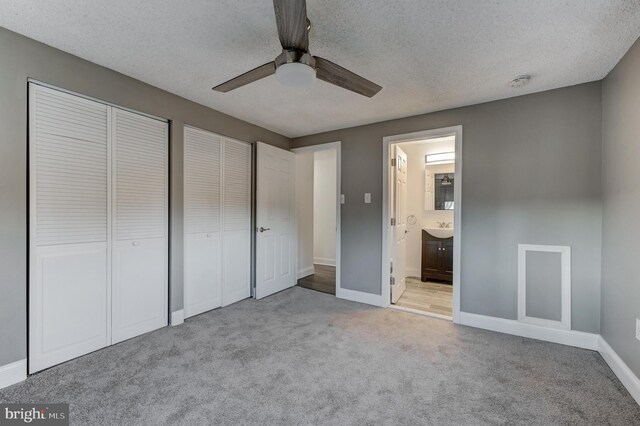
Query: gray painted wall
24,58
531,174
621,195
544,285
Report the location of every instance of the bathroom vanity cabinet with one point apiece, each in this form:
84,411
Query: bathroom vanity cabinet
437,258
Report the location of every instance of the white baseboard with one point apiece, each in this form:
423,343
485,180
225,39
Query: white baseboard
305,272
578,339
412,272
177,317
13,373
324,261
419,312
359,296
621,370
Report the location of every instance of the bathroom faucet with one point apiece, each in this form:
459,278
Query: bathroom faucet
444,224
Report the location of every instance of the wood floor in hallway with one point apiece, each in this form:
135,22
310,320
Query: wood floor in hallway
323,279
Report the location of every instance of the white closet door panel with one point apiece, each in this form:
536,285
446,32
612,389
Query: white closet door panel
140,176
69,296
202,216
236,258
69,285
140,291
203,273
140,296
202,181
236,252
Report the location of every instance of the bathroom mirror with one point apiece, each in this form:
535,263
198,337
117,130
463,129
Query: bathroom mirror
444,187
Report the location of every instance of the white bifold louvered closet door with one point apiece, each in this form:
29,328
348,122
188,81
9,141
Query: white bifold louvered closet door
217,220
98,179
140,256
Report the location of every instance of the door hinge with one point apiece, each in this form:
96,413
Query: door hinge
393,221
393,162
393,281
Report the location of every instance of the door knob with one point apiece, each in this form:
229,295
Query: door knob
264,229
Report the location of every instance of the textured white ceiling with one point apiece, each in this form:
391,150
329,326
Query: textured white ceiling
427,54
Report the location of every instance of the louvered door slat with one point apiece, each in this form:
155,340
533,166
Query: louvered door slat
202,181
70,143
140,176
237,185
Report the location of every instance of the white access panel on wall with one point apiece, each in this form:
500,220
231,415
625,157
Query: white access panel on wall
217,215
69,227
98,225
140,225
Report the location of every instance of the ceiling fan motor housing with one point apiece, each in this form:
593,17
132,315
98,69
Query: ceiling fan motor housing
295,56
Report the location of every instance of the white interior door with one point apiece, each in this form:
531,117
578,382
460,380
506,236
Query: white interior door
276,245
69,284
202,221
400,229
140,300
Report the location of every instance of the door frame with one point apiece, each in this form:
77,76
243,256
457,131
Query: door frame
387,143
338,147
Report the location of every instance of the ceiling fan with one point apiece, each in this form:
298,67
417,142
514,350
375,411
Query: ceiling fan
295,66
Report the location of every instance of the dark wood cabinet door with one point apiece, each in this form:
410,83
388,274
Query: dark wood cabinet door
446,255
430,256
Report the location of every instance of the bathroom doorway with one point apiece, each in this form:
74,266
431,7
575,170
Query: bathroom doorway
318,217
421,229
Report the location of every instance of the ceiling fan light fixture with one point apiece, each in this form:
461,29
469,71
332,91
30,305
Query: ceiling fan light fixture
295,74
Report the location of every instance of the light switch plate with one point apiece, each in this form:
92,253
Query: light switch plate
341,198
638,328
367,198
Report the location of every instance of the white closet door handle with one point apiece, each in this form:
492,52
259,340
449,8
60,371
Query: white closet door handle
136,243
208,235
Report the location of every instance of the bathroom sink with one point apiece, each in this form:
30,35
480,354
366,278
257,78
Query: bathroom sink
440,232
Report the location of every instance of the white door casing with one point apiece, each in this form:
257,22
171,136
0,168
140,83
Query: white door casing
276,238
400,229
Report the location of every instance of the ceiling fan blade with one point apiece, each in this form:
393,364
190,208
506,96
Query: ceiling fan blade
291,18
248,77
335,74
